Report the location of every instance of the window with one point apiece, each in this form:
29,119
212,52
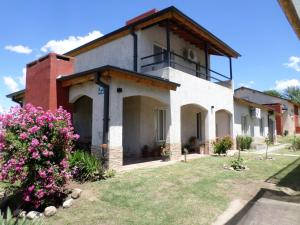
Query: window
244,124
160,124
199,131
157,50
261,127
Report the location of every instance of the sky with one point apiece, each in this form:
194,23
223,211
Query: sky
257,29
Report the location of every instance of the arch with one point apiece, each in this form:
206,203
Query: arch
78,96
82,120
194,126
223,120
141,128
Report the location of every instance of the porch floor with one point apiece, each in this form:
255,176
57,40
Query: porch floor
157,163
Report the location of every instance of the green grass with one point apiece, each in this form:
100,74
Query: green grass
285,139
183,193
287,151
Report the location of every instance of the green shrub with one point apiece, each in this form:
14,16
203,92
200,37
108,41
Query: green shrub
237,163
221,145
85,167
297,143
109,173
243,142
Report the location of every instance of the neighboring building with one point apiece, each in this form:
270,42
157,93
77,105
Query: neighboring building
287,119
255,120
291,8
146,84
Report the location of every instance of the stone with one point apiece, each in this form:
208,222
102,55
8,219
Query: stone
22,214
68,203
76,193
2,194
231,168
50,211
33,215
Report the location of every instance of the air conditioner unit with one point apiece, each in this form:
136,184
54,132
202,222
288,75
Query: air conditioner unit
255,112
192,55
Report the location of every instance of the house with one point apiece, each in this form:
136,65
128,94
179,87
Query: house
287,112
145,85
254,120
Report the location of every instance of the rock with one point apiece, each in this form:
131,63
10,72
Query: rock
50,211
231,168
76,193
22,214
2,194
33,215
231,152
68,203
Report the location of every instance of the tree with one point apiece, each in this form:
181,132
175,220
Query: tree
273,93
293,94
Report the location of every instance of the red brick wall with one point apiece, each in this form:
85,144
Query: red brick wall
278,117
41,85
296,116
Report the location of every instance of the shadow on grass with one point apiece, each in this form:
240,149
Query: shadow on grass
289,176
241,216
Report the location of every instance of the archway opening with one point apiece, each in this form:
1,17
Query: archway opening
193,128
223,123
145,129
82,121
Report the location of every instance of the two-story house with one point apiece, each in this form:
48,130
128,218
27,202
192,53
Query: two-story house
144,85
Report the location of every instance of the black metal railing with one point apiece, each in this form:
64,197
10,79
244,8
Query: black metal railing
161,60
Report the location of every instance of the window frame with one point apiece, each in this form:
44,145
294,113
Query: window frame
160,129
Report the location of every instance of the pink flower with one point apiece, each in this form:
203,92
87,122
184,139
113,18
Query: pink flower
33,129
34,142
31,188
42,174
23,136
35,155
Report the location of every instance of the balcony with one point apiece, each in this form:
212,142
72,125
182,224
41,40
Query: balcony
161,60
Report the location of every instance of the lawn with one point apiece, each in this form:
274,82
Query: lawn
183,193
287,151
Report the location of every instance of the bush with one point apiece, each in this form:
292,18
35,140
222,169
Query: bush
243,142
237,163
34,145
221,145
296,143
85,167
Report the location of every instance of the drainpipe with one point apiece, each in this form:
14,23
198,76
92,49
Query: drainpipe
106,108
135,49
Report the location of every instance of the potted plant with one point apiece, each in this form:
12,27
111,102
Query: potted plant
165,153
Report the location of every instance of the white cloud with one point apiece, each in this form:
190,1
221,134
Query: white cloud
1,109
247,84
11,83
283,84
62,46
294,63
18,49
22,79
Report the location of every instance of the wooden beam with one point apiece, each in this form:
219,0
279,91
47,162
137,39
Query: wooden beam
77,80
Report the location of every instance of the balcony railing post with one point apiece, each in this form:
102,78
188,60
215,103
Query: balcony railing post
206,60
168,43
230,67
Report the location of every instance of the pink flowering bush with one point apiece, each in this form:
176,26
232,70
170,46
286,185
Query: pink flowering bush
34,146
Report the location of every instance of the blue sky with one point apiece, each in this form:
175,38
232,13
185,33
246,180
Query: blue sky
257,29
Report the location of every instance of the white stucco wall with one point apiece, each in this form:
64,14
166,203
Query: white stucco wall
260,98
116,53
193,90
253,123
